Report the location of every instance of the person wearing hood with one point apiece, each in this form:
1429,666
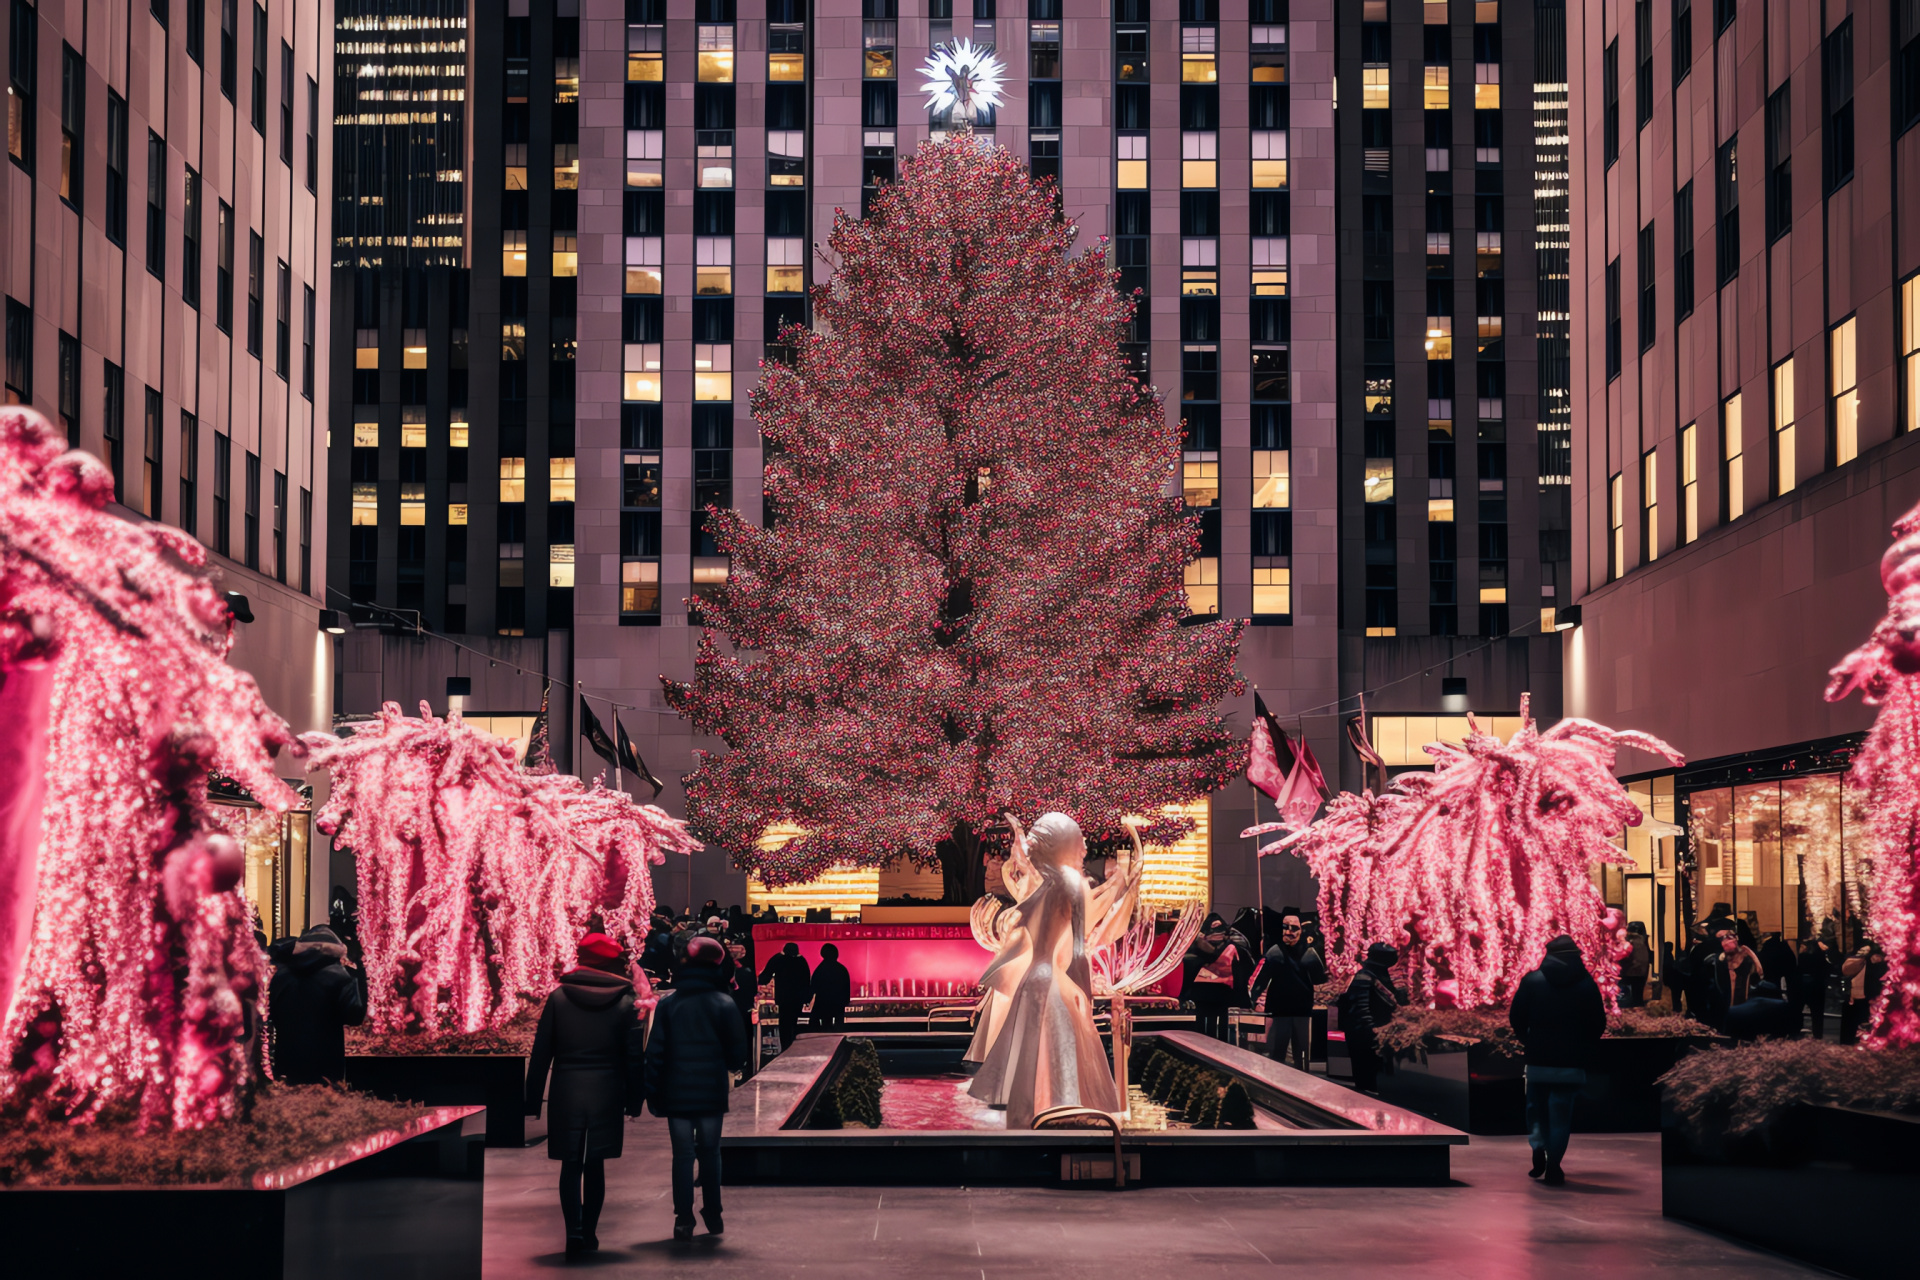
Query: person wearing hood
1636,968
311,1002
590,1035
1217,968
697,1040
1559,1017
1368,1003
792,986
1812,971
832,990
1288,975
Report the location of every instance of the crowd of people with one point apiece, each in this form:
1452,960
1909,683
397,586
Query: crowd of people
1748,987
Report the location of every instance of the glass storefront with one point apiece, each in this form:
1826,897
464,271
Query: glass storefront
278,849
1778,837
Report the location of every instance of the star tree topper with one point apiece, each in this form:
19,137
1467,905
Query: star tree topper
964,79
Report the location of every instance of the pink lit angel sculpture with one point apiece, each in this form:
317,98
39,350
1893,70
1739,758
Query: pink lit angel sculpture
1036,1043
476,876
1477,864
1886,671
130,981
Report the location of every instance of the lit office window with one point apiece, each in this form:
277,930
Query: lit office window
1199,55
640,586
716,54
560,480
1846,394
713,159
641,381
513,253
1783,434
1270,266
1910,349
1199,159
1199,267
513,479
645,43
645,149
712,371
1733,468
1200,479
366,503
1434,89
1616,526
1649,507
1272,591
413,504
880,39
1202,582
1486,86
1270,159
1270,479
1131,152
1377,481
713,267
786,264
644,274
1375,91
786,52
1689,483
786,158
560,564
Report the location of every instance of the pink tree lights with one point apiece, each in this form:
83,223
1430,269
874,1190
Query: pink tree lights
136,987
1472,868
972,600
1888,769
477,877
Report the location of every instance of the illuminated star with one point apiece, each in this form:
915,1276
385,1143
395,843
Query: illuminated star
964,78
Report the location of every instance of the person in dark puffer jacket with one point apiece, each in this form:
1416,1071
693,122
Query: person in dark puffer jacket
697,1040
1558,1015
590,1033
311,1002
1369,1002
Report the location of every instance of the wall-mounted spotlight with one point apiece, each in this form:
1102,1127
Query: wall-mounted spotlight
1566,617
1453,694
333,622
237,605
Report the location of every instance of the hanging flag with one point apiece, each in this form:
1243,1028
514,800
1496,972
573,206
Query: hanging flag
596,736
630,758
1263,767
1300,798
539,757
1282,748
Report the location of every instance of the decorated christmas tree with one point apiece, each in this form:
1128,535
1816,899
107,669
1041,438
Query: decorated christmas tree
967,598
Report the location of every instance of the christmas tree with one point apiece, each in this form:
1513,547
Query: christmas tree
969,598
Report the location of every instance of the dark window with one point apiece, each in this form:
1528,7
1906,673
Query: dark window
250,538
189,467
116,168
286,108
1613,318
222,493
1682,253
159,10
1723,13
306,540
256,289
1610,103
156,204
150,457
1837,57
113,425
1779,164
196,28
1727,224
70,386
1682,39
283,322
259,75
1648,317
190,242
19,353
223,270
1643,56
1906,66
73,124
229,56
280,525
306,347
313,136
23,59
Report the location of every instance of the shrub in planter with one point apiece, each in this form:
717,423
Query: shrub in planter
1184,1082
1236,1108
854,1096
1728,1094
1204,1099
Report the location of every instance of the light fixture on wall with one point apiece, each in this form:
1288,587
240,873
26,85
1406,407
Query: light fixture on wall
1566,618
333,622
1453,694
237,605
459,689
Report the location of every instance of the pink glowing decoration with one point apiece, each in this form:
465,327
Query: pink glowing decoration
1472,868
1888,770
137,985
477,877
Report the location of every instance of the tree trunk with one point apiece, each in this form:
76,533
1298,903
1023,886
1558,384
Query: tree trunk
963,867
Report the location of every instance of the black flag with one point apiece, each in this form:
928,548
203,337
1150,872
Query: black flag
630,758
539,750
596,736
1282,749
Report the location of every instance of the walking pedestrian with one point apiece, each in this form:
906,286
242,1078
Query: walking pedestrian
832,990
311,1002
1812,972
697,1040
1288,975
1635,969
1558,1015
590,1036
1368,1003
792,986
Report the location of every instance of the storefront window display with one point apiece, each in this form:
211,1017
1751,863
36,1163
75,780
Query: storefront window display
278,851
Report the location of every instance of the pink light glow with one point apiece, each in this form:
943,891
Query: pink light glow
477,877
1472,868
1888,769
140,982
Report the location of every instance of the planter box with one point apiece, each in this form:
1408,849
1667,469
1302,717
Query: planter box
1830,1185
496,1081
1467,1085
401,1204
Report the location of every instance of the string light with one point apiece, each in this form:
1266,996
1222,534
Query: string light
1884,670
141,985
1471,869
971,599
476,876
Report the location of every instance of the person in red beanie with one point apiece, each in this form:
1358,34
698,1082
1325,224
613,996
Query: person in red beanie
697,1040
590,1035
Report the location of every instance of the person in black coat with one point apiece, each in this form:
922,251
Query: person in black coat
1217,968
1807,989
590,1034
1288,976
1765,1013
311,1002
697,1040
1777,961
1369,1002
832,990
1559,1016
792,987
